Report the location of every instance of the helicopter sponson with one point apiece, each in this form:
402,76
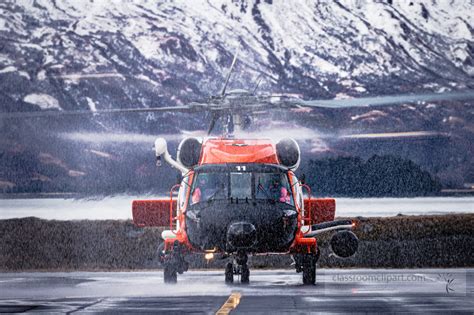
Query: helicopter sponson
240,197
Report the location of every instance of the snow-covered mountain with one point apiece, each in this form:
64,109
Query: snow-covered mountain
96,54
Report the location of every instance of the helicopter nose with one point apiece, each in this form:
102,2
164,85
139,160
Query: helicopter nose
241,235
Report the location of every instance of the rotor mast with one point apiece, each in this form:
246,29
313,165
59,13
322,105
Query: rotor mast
233,121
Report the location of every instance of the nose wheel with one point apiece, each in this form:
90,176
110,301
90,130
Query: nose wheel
244,274
238,266
229,273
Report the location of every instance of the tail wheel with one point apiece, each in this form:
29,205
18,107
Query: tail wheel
309,269
170,274
229,273
245,276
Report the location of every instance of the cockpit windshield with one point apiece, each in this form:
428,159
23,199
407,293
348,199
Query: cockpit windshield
273,186
207,186
241,183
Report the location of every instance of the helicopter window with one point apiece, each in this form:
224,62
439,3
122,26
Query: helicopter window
241,185
209,186
274,186
222,183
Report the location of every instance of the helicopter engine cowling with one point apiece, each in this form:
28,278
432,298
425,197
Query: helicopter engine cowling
288,153
189,152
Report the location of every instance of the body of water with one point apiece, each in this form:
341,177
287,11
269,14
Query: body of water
119,207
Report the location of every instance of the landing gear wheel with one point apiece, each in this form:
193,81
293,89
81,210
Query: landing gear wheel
173,261
170,274
245,276
229,273
309,269
161,253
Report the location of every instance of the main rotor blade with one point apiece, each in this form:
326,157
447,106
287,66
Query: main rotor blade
386,100
49,113
229,73
396,135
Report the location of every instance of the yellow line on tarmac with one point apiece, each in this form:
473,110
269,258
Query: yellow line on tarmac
230,304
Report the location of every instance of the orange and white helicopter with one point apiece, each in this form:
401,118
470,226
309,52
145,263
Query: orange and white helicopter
239,197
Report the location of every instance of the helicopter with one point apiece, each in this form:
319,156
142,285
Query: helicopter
240,197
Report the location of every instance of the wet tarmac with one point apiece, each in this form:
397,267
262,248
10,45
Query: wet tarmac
270,291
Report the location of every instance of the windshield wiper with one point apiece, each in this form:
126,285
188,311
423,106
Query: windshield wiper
211,198
260,187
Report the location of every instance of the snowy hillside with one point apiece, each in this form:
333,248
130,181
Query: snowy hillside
142,53
97,54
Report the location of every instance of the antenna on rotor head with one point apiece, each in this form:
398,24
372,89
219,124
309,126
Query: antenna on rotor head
229,73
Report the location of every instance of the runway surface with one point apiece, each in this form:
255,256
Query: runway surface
275,291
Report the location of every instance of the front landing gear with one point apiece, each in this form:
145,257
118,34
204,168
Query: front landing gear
238,267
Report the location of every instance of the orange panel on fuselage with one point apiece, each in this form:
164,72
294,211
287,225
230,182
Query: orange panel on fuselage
221,151
152,212
321,209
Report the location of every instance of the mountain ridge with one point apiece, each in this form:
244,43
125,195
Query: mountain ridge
87,55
